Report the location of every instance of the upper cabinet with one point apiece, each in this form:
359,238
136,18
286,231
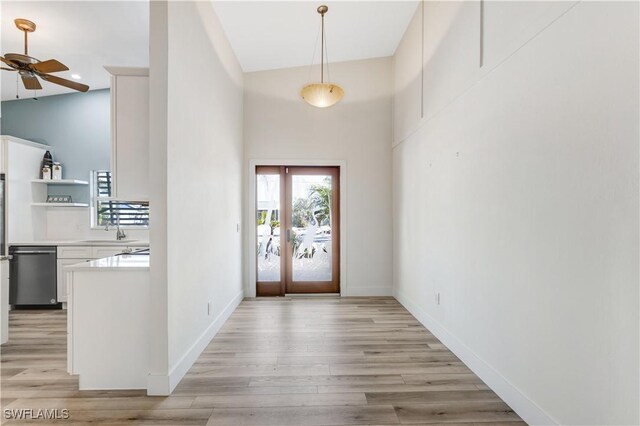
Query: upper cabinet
130,133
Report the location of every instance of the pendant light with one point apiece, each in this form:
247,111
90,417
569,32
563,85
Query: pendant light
322,94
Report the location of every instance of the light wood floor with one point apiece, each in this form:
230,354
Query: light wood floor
312,361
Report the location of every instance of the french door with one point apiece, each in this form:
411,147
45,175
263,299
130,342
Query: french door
298,230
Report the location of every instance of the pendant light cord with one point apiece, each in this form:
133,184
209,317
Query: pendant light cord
322,53
315,49
326,55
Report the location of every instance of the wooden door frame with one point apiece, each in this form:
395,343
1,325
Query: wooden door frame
252,233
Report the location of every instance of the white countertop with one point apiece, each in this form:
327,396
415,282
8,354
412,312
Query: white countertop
96,242
114,263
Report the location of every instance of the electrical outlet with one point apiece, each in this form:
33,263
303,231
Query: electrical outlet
209,308
437,298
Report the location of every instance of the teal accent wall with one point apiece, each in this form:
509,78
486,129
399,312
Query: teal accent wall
77,128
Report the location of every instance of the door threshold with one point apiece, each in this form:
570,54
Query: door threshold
312,295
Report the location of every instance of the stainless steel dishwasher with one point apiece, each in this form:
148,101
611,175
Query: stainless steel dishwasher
32,275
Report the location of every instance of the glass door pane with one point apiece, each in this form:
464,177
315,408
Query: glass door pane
311,220
268,227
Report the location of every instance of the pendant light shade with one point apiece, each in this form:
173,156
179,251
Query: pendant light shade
322,95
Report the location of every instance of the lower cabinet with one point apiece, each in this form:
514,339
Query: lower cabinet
61,279
108,333
102,252
71,255
4,301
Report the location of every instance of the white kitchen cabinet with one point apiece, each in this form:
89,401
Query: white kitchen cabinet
101,252
22,163
75,252
3,155
71,255
108,324
4,301
130,133
61,276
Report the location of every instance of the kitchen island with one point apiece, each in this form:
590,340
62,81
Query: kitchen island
108,322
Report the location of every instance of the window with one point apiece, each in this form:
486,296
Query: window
107,210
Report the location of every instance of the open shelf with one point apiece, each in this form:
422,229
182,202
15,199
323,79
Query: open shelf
61,181
60,204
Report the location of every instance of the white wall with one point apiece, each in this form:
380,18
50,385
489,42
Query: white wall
279,125
203,180
159,368
516,198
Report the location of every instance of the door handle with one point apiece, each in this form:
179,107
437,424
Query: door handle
288,235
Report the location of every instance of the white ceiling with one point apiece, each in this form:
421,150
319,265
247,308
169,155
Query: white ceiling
85,36
279,34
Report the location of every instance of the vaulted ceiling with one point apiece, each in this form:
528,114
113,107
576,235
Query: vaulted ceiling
278,34
87,35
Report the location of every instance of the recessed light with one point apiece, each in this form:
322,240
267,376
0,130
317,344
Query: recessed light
76,76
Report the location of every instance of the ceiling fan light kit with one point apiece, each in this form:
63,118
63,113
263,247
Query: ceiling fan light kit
322,95
30,68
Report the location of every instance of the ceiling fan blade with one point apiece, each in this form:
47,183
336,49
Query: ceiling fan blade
31,82
66,83
7,69
49,66
8,62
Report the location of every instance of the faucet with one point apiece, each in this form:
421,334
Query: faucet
120,235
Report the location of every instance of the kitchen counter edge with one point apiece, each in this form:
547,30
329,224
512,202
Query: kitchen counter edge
122,263
105,243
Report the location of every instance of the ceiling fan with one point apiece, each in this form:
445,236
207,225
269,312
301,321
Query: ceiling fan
31,68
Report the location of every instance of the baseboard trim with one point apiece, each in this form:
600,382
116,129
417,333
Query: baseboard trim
519,402
306,295
165,384
369,291
158,384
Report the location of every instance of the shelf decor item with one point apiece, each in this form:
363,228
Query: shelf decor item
59,199
47,163
56,171
46,172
